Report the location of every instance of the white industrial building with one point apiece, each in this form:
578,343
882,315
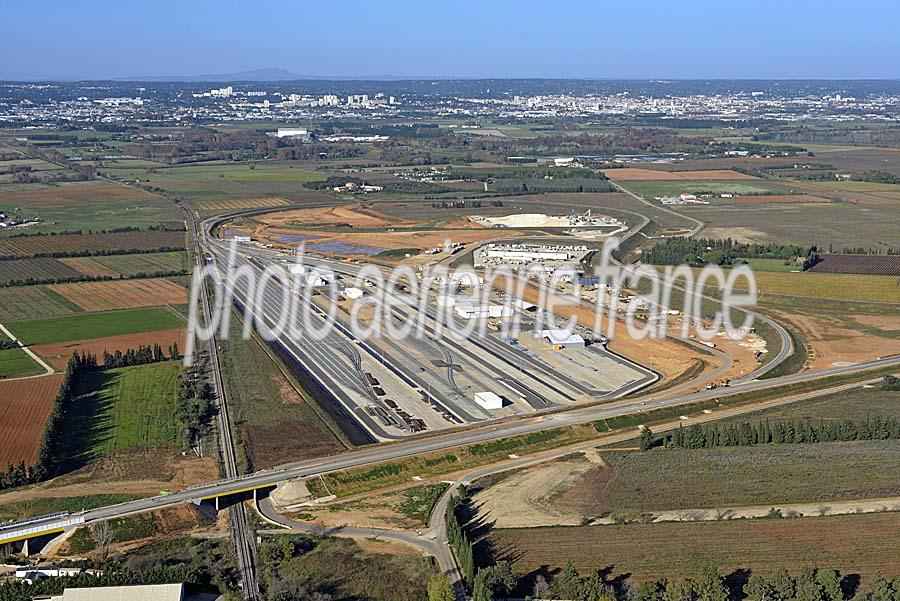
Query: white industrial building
562,339
292,132
352,293
311,277
142,592
527,255
472,311
489,400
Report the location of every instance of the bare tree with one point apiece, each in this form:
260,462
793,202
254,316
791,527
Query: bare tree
103,536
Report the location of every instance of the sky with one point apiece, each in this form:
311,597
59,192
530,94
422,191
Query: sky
597,39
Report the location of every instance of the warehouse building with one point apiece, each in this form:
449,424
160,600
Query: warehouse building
143,592
562,339
489,400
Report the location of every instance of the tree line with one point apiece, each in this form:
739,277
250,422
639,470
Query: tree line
702,251
143,355
707,584
105,252
51,453
194,399
457,535
745,433
32,281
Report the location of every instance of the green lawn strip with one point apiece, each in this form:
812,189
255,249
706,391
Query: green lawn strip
125,408
95,325
15,363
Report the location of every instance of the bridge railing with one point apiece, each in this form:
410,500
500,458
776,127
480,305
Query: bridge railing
37,529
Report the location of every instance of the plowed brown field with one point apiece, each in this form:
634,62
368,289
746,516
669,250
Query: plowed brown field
122,294
58,354
24,407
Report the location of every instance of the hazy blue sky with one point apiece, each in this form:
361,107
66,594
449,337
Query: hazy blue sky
574,38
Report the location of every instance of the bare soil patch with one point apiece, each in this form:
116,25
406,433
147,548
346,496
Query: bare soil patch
58,353
348,215
23,413
833,344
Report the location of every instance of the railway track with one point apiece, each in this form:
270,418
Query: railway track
241,535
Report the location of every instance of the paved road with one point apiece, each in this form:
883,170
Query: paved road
418,446
432,541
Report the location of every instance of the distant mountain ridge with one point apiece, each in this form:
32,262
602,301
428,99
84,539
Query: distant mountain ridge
265,74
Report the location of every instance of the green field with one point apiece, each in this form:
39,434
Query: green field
651,189
840,286
226,180
85,326
15,363
33,302
91,205
769,265
125,408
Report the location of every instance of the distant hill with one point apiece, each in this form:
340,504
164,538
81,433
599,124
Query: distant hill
267,74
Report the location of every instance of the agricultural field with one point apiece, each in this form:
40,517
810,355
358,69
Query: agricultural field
629,174
14,363
76,244
89,205
653,188
669,479
841,223
848,287
122,294
26,405
22,271
863,264
87,326
127,408
855,544
32,302
244,203
57,354
225,181
131,264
